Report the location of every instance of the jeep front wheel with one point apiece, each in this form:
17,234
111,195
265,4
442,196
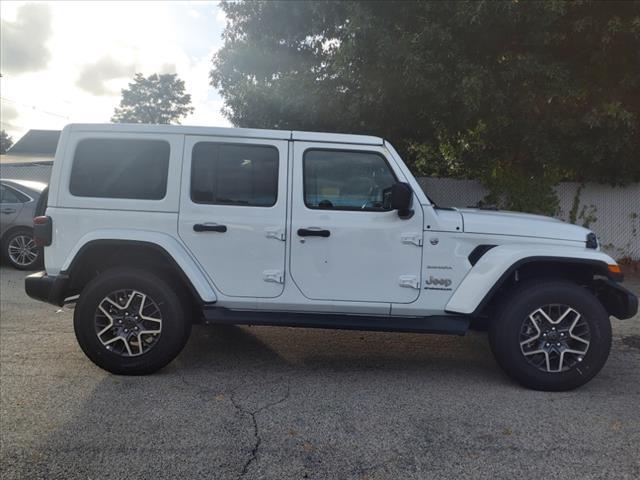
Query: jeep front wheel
131,322
551,335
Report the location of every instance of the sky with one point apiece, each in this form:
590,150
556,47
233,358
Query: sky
66,62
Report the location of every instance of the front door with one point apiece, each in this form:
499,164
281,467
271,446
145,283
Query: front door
346,244
233,212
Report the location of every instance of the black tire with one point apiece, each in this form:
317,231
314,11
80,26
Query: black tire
505,334
171,301
36,263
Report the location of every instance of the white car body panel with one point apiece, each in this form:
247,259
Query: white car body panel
357,270
493,264
250,248
94,225
365,257
520,224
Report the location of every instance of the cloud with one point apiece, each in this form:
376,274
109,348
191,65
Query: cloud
23,45
8,115
166,40
93,77
221,17
167,68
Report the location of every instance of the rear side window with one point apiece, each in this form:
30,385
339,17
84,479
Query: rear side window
9,195
120,168
228,174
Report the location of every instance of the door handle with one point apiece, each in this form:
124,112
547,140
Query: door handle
8,210
313,232
209,227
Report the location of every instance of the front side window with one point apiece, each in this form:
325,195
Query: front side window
120,168
230,174
346,180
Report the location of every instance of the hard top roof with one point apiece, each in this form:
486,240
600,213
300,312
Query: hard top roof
228,132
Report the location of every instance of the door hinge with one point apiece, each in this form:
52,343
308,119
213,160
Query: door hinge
274,276
412,238
276,233
409,281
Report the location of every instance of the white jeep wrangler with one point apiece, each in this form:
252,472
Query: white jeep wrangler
150,228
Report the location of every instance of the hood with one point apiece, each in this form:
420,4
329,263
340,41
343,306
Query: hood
520,224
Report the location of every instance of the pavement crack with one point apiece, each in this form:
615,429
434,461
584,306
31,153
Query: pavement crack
252,414
253,455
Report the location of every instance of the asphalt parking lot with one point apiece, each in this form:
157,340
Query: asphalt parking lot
280,403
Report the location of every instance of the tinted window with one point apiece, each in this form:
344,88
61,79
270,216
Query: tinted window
225,174
347,180
120,168
9,195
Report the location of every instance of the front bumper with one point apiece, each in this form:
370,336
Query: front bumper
617,300
47,288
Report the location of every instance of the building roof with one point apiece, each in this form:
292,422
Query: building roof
36,143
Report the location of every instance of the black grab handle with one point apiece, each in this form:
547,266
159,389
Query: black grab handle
311,232
203,227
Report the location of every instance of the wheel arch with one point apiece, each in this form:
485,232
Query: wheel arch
98,255
13,229
502,268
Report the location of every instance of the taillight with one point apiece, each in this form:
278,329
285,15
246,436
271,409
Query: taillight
42,231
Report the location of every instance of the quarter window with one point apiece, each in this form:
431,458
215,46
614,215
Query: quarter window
347,180
229,174
120,168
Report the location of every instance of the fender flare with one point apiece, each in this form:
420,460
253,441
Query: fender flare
166,244
495,267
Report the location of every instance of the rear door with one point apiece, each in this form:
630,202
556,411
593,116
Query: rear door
11,203
233,209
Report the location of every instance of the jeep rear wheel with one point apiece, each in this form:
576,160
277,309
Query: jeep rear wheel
131,322
551,335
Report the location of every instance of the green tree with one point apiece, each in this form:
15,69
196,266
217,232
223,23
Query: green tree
5,142
153,99
517,94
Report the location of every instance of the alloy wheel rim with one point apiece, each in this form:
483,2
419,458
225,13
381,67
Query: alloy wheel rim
554,338
128,322
22,250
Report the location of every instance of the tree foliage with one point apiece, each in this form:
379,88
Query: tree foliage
5,142
153,99
517,94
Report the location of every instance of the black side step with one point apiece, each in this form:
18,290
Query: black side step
441,324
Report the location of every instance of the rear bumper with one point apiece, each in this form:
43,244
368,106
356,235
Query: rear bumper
618,301
47,288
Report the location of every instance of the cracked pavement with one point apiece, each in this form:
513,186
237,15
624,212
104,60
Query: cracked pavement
281,403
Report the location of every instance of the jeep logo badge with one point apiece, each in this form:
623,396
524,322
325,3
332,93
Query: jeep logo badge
442,282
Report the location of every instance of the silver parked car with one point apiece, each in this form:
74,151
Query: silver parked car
18,203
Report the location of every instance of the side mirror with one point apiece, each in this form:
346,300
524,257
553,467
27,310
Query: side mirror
401,196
